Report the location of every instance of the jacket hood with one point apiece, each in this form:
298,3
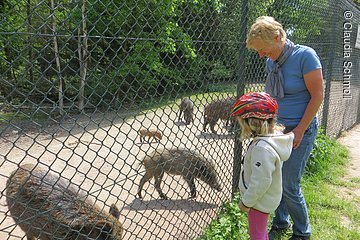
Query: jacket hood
282,143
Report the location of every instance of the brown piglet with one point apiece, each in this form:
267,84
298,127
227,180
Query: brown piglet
143,133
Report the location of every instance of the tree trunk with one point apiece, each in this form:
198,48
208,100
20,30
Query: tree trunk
29,41
83,56
57,59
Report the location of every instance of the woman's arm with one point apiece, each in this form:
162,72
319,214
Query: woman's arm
314,84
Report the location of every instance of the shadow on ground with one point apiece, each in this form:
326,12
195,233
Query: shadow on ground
186,205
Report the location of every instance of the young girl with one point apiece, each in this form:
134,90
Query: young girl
260,179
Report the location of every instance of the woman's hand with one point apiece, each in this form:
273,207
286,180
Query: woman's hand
243,208
298,136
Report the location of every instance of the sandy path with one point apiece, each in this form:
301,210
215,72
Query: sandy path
101,155
351,140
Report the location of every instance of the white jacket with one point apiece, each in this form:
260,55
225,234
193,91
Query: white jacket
260,178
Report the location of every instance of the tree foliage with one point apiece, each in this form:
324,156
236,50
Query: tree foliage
137,49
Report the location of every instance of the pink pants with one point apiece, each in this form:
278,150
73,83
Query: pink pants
258,224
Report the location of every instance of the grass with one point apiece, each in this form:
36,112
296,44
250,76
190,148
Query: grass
209,93
334,215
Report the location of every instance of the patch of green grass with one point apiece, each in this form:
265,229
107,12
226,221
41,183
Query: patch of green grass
328,211
327,155
231,223
7,116
212,92
355,180
224,88
332,216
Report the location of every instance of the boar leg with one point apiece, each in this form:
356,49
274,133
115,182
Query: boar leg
180,114
158,180
226,122
212,125
187,122
188,118
205,124
232,125
190,181
143,180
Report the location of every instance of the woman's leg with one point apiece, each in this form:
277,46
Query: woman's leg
293,202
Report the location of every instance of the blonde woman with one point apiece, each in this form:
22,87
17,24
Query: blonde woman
295,80
260,179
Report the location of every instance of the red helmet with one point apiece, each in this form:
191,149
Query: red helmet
255,104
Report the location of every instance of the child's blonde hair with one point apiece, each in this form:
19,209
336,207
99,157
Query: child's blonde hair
251,127
256,113
265,29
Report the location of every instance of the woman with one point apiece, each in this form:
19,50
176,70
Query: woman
260,182
295,80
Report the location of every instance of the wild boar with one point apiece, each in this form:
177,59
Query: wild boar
187,107
187,163
220,109
46,207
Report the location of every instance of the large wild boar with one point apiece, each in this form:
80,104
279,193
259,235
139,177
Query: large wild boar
186,163
48,207
187,107
219,109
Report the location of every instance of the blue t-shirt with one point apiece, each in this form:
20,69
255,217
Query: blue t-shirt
296,96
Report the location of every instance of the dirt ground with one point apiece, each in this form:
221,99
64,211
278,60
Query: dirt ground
351,140
101,154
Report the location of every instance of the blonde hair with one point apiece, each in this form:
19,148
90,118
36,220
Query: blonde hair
251,127
265,29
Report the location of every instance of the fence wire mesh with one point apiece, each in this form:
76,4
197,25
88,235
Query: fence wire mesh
90,97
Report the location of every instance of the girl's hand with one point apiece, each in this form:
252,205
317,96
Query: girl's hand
243,208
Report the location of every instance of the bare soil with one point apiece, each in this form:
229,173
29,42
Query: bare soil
351,140
101,154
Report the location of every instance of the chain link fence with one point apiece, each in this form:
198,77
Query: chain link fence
90,97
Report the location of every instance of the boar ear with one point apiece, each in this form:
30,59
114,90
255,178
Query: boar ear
114,211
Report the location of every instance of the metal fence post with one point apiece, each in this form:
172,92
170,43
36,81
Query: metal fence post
329,74
241,73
